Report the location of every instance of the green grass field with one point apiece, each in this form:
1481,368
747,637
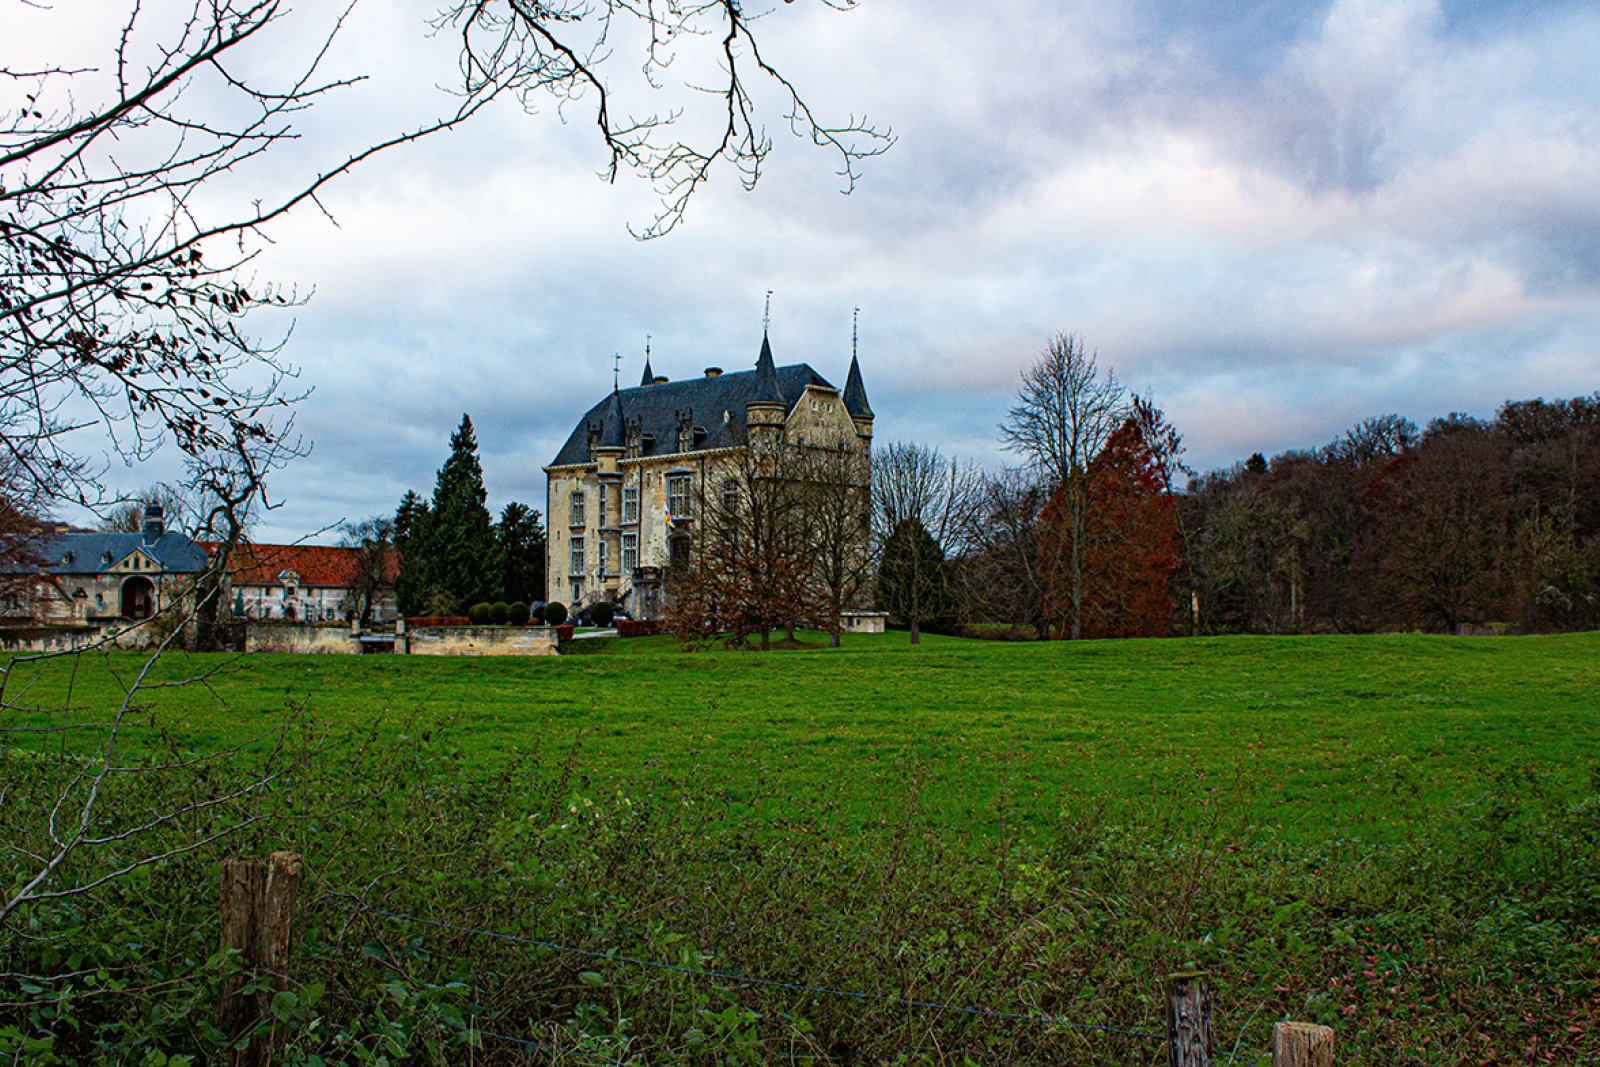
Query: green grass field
1398,836
1316,736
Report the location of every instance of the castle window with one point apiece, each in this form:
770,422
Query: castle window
630,553
600,506
679,493
630,504
575,510
730,495
600,550
679,552
575,557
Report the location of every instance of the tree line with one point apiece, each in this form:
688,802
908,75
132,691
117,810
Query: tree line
1461,524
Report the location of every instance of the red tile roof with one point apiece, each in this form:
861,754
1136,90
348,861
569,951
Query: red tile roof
317,565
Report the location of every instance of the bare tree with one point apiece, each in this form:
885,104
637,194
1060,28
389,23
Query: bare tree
835,481
1002,577
1065,413
750,564
376,561
556,49
918,494
128,516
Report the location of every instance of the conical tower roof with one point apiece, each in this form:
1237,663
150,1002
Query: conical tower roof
649,375
766,391
855,393
611,422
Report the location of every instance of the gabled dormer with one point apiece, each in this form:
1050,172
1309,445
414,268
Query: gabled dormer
136,562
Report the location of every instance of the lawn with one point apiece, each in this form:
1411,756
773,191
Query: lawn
1316,737
1398,836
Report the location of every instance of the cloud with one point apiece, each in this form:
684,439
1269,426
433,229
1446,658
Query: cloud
1279,218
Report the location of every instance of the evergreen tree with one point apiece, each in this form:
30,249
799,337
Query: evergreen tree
452,554
522,539
409,535
913,585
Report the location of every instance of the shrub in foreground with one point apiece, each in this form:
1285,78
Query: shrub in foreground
411,853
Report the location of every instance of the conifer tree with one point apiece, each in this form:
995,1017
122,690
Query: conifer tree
913,584
410,586
451,552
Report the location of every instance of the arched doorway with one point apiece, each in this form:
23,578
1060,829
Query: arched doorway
138,598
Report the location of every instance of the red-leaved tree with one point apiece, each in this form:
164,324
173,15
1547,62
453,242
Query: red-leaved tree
1130,548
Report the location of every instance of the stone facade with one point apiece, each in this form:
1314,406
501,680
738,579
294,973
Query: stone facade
624,491
304,583
65,588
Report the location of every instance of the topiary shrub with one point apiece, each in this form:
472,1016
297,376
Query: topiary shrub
555,613
602,613
518,614
479,613
499,612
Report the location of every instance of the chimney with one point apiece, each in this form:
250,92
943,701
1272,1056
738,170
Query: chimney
661,379
713,372
154,526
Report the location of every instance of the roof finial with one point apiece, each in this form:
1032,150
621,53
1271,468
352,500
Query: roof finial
766,317
855,332
616,371
649,375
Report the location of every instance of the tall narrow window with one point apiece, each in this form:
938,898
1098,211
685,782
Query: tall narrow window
630,504
575,558
575,512
600,506
730,495
600,555
630,553
679,495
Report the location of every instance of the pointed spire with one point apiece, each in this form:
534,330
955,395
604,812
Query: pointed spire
611,425
649,375
766,391
855,392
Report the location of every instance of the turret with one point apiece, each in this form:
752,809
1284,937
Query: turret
855,402
611,444
764,411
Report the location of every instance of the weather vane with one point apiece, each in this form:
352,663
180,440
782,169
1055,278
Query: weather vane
855,331
766,316
616,370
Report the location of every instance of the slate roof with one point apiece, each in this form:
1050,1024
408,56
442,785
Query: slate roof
855,393
77,552
656,407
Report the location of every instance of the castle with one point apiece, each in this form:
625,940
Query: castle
624,490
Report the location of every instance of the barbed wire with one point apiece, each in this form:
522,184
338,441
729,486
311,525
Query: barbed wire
772,983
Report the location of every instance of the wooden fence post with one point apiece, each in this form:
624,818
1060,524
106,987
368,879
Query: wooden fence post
1302,1045
257,904
243,880
1188,1020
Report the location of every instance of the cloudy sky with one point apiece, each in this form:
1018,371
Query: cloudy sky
1276,217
